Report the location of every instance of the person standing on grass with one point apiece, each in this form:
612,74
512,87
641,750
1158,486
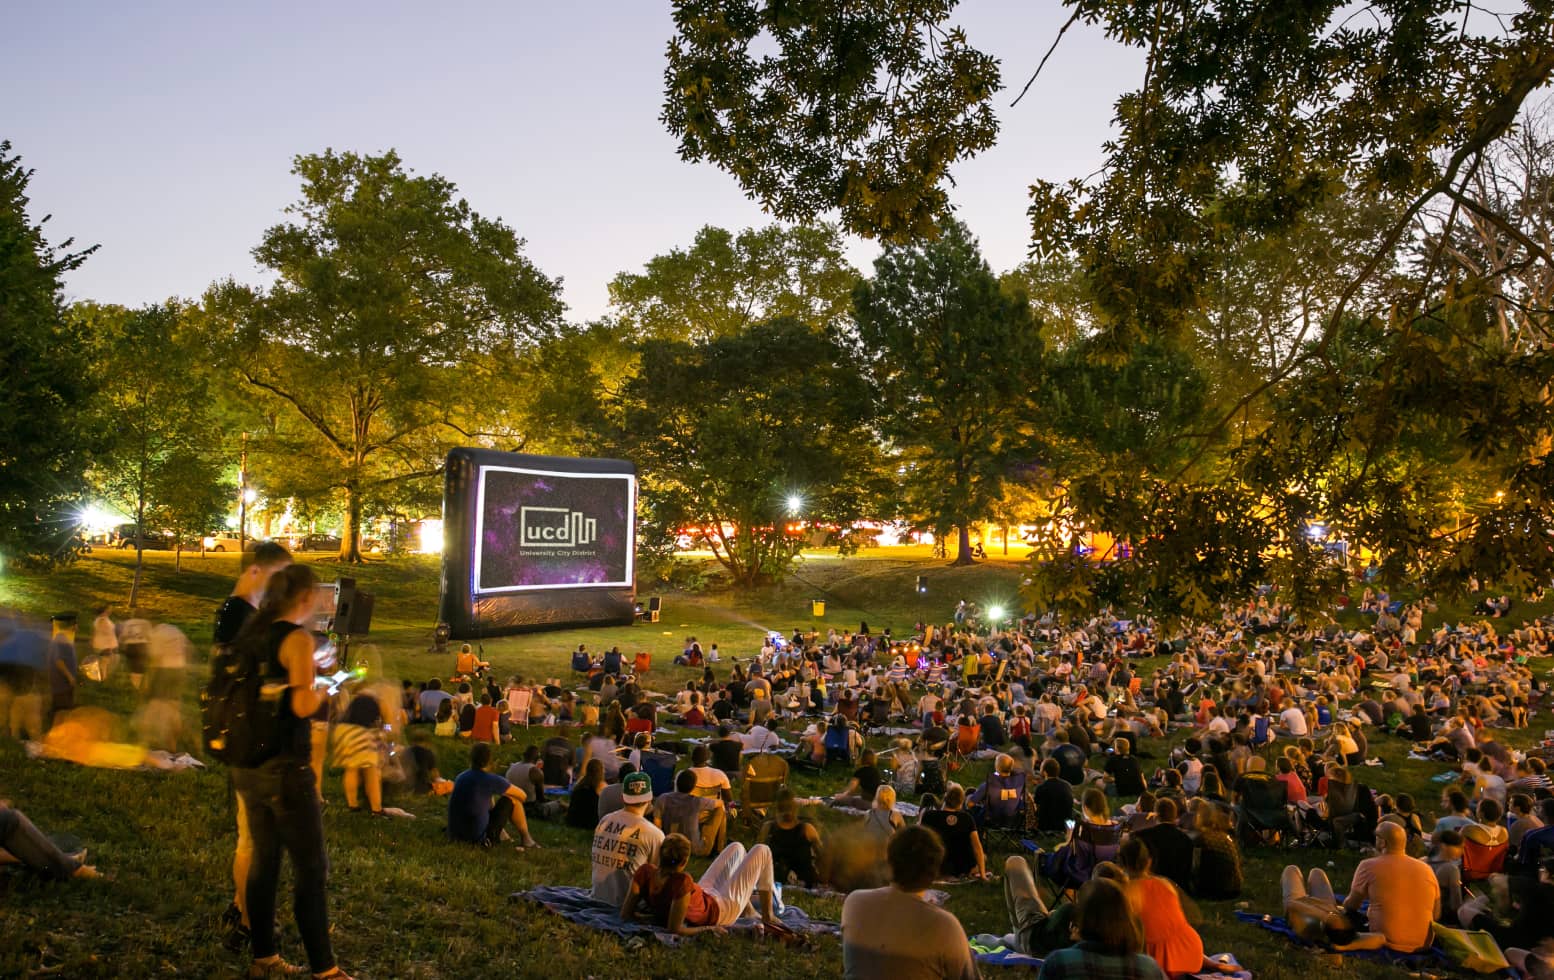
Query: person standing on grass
279,795
257,566
483,803
105,642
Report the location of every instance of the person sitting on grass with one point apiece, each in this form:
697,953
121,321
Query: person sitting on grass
859,792
1402,891
1111,939
700,820
811,753
687,907
891,932
447,725
1169,938
483,803
624,841
583,807
882,821
963,853
1124,776
794,843
23,843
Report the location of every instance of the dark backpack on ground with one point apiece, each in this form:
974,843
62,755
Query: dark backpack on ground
240,706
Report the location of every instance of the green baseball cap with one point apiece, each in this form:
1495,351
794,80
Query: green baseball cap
637,788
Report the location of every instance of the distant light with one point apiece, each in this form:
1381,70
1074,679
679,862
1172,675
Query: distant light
231,523
1317,532
995,613
97,519
795,503
249,496
431,537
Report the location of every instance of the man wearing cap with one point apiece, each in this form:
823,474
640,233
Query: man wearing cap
624,841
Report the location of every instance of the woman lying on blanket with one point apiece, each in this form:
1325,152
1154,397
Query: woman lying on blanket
685,906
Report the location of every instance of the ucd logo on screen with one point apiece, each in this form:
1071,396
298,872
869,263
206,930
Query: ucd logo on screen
554,527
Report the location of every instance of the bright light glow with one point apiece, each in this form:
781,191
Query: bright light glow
97,519
795,503
1316,532
232,522
995,613
431,537
250,496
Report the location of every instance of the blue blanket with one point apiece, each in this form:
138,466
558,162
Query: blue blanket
577,905
990,951
1414,961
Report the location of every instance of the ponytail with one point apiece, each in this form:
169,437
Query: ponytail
280,592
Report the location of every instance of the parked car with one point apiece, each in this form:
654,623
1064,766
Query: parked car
124,536
226,541
318,542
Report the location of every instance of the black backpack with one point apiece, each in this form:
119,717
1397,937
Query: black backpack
240,706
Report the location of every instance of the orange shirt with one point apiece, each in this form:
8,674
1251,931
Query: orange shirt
1168,939
487,724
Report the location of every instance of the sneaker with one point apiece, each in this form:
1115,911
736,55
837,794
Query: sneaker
234,935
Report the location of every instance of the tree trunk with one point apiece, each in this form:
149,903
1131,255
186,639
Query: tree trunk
1006,540
140,532
350,541
963,553
178,555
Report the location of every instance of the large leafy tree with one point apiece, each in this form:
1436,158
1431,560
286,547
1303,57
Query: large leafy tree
163,463
1251,125
726,282
956,359
384,338
860,108
727,430
47,430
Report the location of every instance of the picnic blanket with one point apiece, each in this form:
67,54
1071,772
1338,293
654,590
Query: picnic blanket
1280,926
932,896
994,951
907,810
577,905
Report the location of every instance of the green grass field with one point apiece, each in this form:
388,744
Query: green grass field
404,902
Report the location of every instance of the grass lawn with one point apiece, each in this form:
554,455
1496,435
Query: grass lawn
404,902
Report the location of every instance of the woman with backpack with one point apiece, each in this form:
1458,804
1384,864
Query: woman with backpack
276,783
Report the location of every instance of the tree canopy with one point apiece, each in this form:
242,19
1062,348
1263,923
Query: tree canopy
395,308
47,430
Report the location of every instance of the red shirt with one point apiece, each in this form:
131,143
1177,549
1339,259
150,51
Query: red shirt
701,910
487,724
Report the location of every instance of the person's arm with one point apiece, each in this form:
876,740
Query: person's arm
628,911
1359,890
979,854
677,912
296,656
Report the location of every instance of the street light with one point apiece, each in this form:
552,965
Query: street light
795,503
995,613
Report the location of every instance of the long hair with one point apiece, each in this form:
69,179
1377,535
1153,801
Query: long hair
282,590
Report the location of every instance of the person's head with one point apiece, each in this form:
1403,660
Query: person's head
1521,804
1391,838
914,854
1284,766
1134,857
485,699
1171,779
1106,918
63,623
954,796
700,756
674,852
256,567
1457,800
1165,810
1490,812
636,791
1338,774
1050,769
786,805
480,755
1209,784
1120,746
531,753
435,684
1258,764
885,797
868,758
1097,810
685,781
445,710
287,594
593,773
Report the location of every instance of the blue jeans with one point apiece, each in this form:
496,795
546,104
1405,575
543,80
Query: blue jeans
283,813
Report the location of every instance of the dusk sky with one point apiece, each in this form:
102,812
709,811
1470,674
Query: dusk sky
164,131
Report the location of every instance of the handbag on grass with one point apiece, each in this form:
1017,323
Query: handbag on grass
1474,950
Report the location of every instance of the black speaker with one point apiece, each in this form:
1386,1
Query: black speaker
360,620
655,603
345,604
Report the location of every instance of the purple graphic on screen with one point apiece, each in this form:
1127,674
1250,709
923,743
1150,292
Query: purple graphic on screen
538,531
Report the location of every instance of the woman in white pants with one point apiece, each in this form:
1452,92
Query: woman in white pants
687,907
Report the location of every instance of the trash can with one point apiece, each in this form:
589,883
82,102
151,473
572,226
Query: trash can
817,608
